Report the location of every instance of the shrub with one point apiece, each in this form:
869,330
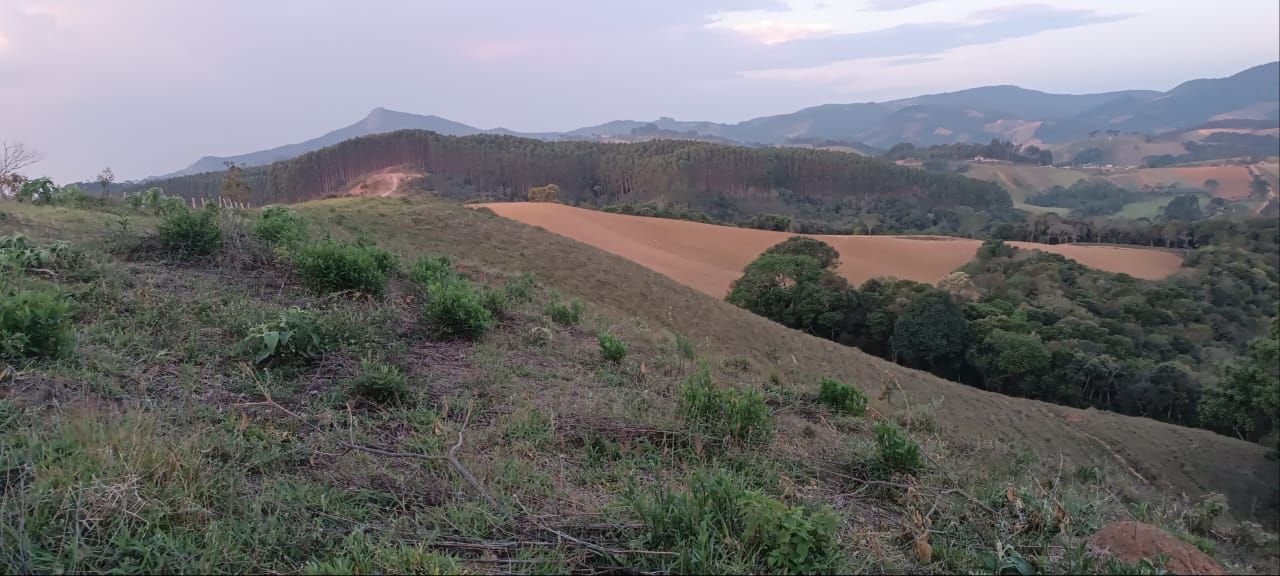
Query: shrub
724,412
295,335
279,226
1202,516
457,310
520,288
826,256
331,266
566,314
19,254
612,348
382,383
842,397
191,235
495,301
720,526
35,323
431,269
898,452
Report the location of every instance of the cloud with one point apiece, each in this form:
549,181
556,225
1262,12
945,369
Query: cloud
771,32
891,5
910,60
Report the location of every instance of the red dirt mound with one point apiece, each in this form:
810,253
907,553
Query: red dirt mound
1133,541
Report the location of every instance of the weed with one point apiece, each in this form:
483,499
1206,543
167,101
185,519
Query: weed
520,288
740,414
35,323
456,309
532,427
842,397
429,270
720,526
294,335
331,266
565,314
1201,518
684,346
191,235
19,254
495,301
612,348
382,383
280,226
898,451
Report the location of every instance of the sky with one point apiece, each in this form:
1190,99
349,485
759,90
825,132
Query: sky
148,86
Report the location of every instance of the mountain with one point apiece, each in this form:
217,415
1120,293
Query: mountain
979,114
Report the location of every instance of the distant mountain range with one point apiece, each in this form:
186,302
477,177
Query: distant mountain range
974,115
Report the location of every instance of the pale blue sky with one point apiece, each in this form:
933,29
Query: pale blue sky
147,86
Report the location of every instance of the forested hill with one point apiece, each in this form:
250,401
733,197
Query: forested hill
700,174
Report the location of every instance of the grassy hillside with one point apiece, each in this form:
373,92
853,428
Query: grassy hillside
157,445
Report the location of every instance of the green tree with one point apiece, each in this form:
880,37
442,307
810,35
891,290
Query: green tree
105,179
233,187
37,190
1246,402
1009,361
931,334
826,256
795,291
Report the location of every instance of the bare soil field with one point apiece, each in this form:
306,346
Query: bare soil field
709,257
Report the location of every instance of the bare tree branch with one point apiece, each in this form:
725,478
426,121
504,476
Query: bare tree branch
14,157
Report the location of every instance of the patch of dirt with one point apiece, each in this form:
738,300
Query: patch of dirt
386,183
1133,541
709,257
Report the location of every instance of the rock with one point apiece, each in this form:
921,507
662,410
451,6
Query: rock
1133,541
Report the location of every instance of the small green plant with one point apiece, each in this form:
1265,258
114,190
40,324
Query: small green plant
495,301
684,346
19,254
721,526
565,314
280,226
612,348
520,288
35,323
1201,518
456,309
842,397
295,335
898,451
428,270
724,412
191,235
330,266
382,383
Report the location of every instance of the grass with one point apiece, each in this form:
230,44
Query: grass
157,446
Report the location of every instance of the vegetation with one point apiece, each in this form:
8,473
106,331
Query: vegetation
280,226
1048,328
612,349
724,412
191,234
35,322
899,453
295,335
456,309
548,193
330,266
996,150
842,397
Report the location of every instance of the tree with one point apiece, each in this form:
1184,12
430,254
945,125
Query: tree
1009,361
40,189
1211,186
826,256
1185,207
931,334
795,291
1246,402
775,222
105,179
14,157
233,187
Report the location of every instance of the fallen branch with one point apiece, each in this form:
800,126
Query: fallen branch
450,456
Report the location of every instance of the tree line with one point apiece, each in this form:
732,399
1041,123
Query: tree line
997,149
1192,350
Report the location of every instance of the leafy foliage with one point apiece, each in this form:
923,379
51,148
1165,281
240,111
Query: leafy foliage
191,234
721,526
35,323
456,309
1247,399
548,193
612,348
280,226
294,335
19,254
565,314
795,291
898,451
724,412
823,253
331,266
931,334
842,397
382,383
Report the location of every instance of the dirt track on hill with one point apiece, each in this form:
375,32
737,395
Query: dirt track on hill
709,258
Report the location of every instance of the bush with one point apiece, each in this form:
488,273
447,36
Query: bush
331,266
457,310
428,270
496,302
35,323
826,256
520,288
382,383
720,526
295,335
898,452
612,348
724,412
566,314
19,254
1202,516
280,226
842,397
191,235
